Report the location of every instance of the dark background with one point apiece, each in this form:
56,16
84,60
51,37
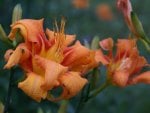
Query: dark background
85,24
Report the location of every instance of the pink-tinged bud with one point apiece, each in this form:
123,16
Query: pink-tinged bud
125,7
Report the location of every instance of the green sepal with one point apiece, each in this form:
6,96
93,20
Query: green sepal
137,25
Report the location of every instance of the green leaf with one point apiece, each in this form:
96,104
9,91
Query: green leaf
17,13
95,43
2,33
19,39
3,36
94,78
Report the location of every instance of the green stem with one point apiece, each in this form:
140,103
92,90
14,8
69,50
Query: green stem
80,105
147,39
146,44
98,90
63,106
6,107
94,79
83,99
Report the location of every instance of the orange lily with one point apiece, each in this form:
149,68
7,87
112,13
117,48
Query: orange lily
124,68
80,4
104,12
49,61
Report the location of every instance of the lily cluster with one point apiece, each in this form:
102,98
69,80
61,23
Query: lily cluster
53,60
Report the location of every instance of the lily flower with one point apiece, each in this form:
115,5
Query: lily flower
104,12
48,60
124,68
80,4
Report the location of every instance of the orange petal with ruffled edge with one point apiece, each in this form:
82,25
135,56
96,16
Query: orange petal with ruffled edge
52,71
85,63
30,29
79,58
51,36
19,55
138,62
75,53
120,78
142,78
107,44
72,83
32,87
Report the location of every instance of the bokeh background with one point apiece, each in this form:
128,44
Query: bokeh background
85,24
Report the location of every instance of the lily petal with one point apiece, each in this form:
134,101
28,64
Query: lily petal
142,78
30,29
8,54
32,87
52,71
125,47
75,53
100,57
138,63
78,58
72,83
84,64
19,55
120,78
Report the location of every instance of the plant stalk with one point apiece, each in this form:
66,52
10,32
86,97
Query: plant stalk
8,98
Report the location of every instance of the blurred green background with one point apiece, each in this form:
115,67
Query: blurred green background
85,24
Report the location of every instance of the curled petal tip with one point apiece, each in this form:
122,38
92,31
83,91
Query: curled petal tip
32,87
107,44
8,54
72,83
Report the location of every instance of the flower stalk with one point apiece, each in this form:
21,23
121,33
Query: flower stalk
63,106
8,98
99,90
